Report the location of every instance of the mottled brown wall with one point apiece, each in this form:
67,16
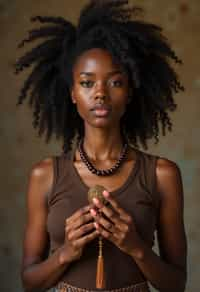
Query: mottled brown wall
20,147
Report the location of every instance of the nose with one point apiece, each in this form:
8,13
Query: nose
100,96
101,92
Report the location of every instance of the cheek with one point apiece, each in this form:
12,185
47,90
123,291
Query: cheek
120,99
82,101
80,107
120,92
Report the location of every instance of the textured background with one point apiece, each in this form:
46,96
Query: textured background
20,147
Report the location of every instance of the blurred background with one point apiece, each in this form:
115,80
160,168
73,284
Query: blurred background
21,148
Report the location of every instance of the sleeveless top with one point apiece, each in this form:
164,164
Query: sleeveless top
137,196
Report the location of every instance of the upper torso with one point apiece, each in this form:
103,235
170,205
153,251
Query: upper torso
134,189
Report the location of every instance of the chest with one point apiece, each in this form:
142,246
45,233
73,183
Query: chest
112,182
129,188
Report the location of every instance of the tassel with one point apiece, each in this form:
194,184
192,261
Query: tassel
100,276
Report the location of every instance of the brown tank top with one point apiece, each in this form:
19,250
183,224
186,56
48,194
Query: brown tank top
138,196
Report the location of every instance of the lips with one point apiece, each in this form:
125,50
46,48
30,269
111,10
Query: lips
102,107
101,110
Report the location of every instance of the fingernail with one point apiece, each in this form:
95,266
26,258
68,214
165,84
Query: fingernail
95,200
96,225
106,193
93,212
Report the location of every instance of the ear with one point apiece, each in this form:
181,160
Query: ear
72,96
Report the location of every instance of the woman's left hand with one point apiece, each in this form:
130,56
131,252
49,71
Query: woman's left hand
119,229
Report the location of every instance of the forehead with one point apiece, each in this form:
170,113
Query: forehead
95,60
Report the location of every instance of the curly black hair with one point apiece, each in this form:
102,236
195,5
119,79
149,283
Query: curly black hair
138,46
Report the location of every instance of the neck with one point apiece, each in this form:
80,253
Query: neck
102,146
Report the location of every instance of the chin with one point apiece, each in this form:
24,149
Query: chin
102,123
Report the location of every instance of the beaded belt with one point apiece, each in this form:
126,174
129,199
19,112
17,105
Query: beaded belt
139,287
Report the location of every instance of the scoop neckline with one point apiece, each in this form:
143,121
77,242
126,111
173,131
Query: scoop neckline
115,192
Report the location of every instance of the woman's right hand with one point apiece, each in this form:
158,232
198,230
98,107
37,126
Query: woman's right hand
77,225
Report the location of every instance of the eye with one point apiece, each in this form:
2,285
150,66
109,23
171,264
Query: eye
117,83
87,83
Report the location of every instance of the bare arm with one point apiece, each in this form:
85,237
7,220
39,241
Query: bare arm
39,273
167,272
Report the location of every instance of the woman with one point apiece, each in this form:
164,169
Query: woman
102,86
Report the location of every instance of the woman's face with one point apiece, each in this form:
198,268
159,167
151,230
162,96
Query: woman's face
98,81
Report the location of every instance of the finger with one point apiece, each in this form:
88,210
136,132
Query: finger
76,234
114,237
105,233
85,239
107,224
110,214
122,213
78,214
79,221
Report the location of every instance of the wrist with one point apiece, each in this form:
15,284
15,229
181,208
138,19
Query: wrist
63,256
138,252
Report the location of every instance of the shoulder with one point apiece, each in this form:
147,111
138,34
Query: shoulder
42,169
169,178
166,169
167,175
45,169
164,166
41,175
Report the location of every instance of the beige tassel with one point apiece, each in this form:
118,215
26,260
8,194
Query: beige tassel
100,275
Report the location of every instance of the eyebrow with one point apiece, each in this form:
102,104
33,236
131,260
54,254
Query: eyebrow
109,73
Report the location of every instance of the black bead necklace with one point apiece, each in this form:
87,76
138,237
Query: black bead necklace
102,172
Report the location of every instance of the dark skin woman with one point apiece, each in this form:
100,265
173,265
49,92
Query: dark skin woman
97,79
